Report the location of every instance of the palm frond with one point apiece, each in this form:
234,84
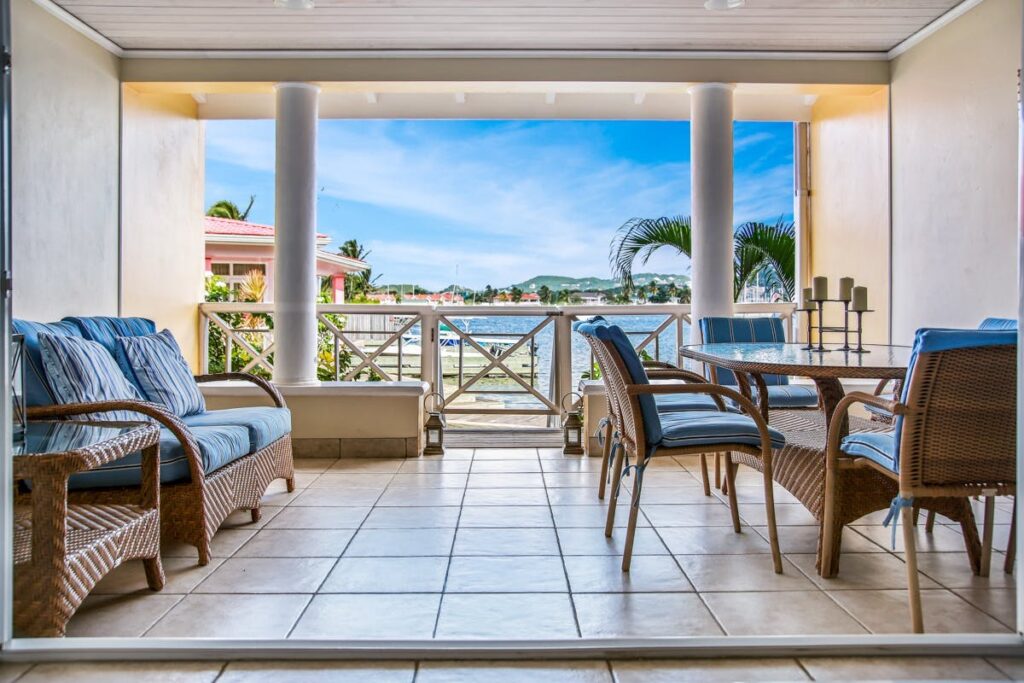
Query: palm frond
639,238
777,246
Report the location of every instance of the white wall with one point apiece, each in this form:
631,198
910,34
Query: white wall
954,159
65,112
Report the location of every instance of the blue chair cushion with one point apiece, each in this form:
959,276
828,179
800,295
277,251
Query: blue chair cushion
674,403
697,428
105,330
163,373
792,396
998,324
264,425
218,446
743,330
878,447
37,390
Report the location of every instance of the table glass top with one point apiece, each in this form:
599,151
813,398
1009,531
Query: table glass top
794,355
60,437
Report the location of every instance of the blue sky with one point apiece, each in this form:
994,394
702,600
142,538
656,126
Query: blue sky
502,200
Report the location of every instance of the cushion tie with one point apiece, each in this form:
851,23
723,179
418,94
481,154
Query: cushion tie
898,503
602,423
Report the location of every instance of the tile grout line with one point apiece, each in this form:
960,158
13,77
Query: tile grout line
561,555
220,674
451,554
803,668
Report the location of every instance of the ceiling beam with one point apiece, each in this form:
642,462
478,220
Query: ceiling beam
946,19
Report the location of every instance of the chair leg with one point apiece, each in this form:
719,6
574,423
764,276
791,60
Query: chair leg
617,467
634,511
718,470
986,537
913,588
290,484
773,532
828,524
255,514
929,525
704,474
154,572
606,453
734,505
1011,545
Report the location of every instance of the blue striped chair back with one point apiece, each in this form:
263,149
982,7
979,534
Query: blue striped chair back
724,330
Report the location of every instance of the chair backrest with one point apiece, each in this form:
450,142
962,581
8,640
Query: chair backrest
961,388
640,424
614,413
734,329
998,324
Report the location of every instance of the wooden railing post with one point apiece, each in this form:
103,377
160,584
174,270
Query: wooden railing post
430,367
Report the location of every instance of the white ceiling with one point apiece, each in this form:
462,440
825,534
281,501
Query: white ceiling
763,25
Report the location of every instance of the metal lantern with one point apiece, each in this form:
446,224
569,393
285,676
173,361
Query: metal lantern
433,429
18,414
572,425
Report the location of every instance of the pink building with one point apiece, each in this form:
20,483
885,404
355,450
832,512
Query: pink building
236,248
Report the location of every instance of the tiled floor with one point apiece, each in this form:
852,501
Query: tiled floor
508,543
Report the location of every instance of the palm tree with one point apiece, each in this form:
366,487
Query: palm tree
759,247
544,292
362,283
228,209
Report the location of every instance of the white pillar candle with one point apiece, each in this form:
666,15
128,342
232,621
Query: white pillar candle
805,299
845,288
820,287
860,299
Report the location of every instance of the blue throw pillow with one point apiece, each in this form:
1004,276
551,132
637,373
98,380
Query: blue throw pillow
82,371
163,373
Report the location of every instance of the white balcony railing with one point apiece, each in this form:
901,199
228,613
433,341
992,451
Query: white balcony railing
485,360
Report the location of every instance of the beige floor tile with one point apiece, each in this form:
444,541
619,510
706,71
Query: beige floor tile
588,480
242,519
368,465
647,573
297,543
577,496
506,575
406,496
505,466
387,575
352,480
231,616
11,671
224,544
786,514
671,478
594,542
401,543
942,540
505,454
524,517
641,615
318,672
953,570
673,495
181,575
513,672
506,496
1000,603
778,613
441,466
314,464
688,515
804,540
861,570
591,516
127,616
431,480
451,453
124,672
1013,667
359,617
722,573
556,454
753,494
277,494
887,611
412,518
513,616
319,518
708,671
721,540
495,542
337,497
899,668
499,480
567,465
267,575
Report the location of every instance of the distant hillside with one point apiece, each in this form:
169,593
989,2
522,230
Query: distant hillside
586,284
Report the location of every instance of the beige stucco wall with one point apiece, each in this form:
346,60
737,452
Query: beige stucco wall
64,153
954,159
850,201
162,233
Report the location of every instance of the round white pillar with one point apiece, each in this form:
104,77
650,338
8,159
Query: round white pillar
295,285
711,192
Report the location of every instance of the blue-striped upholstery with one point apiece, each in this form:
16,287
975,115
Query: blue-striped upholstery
159,368
879,447
218,446
998,324
792,395
81,371
675,403
264,424
37,390
105,330
697,428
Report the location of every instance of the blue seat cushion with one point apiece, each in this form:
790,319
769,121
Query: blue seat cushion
699,428
265,425
719,330
792,396
674,403
38,391
218,446
878,447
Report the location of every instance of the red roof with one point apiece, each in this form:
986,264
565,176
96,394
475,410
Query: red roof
227,226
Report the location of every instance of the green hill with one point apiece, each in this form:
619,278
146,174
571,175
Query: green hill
585,284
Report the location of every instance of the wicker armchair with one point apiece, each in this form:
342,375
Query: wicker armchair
954,436
645,433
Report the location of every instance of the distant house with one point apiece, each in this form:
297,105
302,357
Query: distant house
591,298
530,298
236,248
447,298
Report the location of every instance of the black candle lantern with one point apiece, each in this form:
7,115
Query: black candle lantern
572,426
433,429
18,415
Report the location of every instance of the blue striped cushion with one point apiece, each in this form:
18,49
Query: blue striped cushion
163,373
264,424
37,389
675,403
697,428
735,329
879,447
81,371
105,330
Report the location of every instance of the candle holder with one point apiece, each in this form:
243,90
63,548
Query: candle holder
860,332
810,329
818,306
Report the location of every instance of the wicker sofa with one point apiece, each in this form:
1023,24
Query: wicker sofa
211,464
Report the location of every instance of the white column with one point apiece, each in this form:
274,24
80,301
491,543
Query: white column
295,286
711,178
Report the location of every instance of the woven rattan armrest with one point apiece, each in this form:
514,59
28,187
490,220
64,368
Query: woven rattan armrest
835,431
880,387
263,384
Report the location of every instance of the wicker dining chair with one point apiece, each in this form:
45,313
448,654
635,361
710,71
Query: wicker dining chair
645,433
954,435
